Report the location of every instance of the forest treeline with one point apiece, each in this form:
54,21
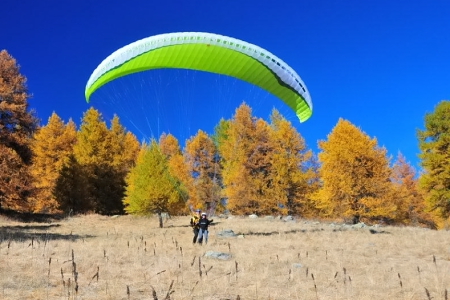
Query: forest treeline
249,165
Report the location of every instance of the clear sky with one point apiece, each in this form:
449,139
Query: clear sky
381,64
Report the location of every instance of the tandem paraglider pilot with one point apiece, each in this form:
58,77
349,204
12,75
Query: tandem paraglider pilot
194,224
203,231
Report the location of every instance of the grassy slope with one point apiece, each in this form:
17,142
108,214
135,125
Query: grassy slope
131,251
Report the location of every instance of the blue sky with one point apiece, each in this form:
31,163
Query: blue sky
382,64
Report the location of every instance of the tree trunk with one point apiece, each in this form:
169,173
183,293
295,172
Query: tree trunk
160,220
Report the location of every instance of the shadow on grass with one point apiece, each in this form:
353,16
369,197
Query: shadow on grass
272,232
27,217
176,226
373,231
35,233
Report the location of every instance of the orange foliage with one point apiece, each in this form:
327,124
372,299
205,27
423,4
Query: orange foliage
204,168
356,176
178,168
17,125
407,196
52,147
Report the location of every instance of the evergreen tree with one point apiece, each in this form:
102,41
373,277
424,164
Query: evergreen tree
434,143
17,125
52,147
150,186
356,176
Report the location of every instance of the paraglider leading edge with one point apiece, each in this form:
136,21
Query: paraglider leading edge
222,55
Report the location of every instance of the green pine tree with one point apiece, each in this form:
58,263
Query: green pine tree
434,143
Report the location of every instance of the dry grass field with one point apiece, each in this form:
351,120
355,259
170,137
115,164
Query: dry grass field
126,257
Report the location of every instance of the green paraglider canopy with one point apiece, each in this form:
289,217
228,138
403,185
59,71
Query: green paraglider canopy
211,53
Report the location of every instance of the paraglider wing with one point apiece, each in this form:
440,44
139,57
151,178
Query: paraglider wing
211,53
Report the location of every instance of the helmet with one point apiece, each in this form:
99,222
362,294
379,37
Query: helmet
198,210
203,214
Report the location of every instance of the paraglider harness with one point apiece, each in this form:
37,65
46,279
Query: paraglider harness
194,224
194,221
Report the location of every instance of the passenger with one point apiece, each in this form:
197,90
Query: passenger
203,226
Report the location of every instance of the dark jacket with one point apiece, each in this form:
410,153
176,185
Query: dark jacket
203,223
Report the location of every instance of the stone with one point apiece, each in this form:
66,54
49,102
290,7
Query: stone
218,255
227,233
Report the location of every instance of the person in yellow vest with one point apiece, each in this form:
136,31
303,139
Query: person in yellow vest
194,224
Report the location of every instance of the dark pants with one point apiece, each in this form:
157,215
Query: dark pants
195,235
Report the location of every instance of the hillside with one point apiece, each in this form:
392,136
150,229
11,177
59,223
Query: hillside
126,257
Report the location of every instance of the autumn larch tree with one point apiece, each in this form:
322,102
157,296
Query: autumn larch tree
151,189
71,188
311,167
17,125
407,197
105,157
179,169
292,169
434,143
52,147
245,151
91,153
356,176
260,166
204,166
123,148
